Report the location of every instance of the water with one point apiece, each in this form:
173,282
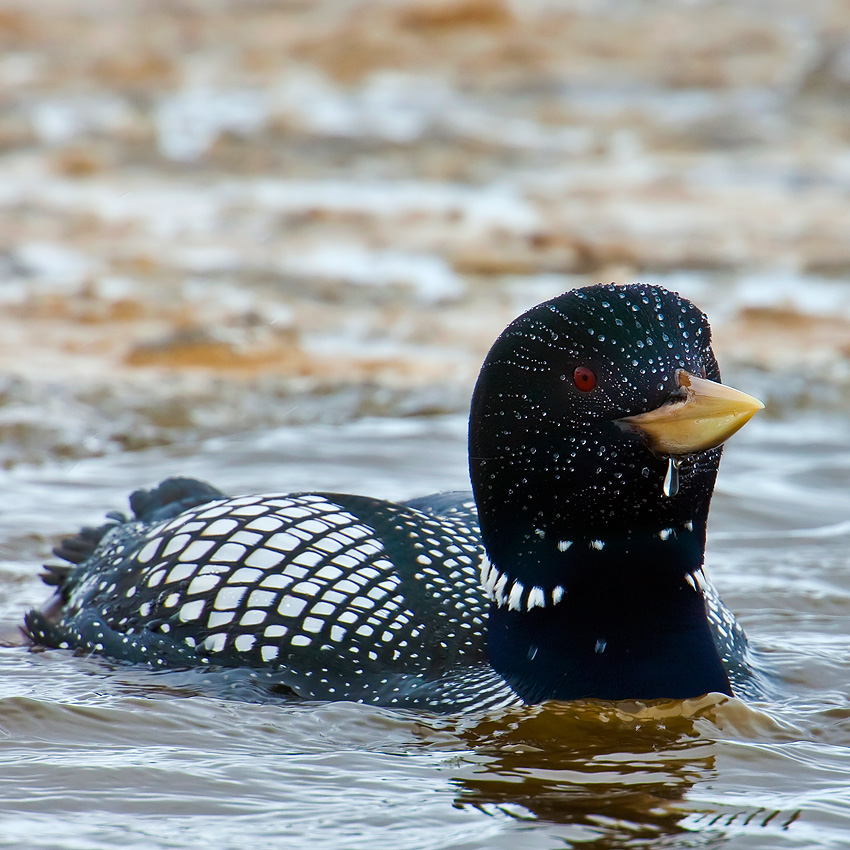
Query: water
98,756
303,186
671,478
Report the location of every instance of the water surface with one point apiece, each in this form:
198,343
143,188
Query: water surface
99,756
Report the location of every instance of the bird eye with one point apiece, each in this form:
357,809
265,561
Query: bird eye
584,378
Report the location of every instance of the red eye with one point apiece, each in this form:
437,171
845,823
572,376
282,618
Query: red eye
584,378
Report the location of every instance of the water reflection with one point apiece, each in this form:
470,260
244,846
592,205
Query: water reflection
614,775
611,773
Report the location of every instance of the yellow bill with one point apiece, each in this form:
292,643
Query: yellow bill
703,417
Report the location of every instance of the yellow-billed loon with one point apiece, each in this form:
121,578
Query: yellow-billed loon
573,570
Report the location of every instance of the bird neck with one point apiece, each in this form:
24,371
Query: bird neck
557,505
638,637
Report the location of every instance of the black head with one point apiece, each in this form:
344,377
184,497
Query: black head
566,494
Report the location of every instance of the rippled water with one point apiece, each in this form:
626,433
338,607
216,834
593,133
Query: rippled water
98,756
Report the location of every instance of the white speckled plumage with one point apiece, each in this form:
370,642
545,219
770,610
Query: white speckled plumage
331,596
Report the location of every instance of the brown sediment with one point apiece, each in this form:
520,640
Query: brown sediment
473,156
785,338
200,348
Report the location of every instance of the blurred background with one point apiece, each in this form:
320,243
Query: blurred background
218,216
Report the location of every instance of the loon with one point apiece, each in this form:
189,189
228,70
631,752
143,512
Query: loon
573,570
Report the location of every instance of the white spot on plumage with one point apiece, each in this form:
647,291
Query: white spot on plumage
265,523
283,541
347,561
515,598
244,643
196,550
261,599
176,544
244,576
230,553
333,597
249,510
217,619
191,610
220,527
215,643
557,594
536,598
253,617
291,606
293,512
563,545
597,544
181,571
499,588
214,569
307,559
228,598
203,583
313,624
149,550
268,653
277,580
490,587
665,533
218,508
